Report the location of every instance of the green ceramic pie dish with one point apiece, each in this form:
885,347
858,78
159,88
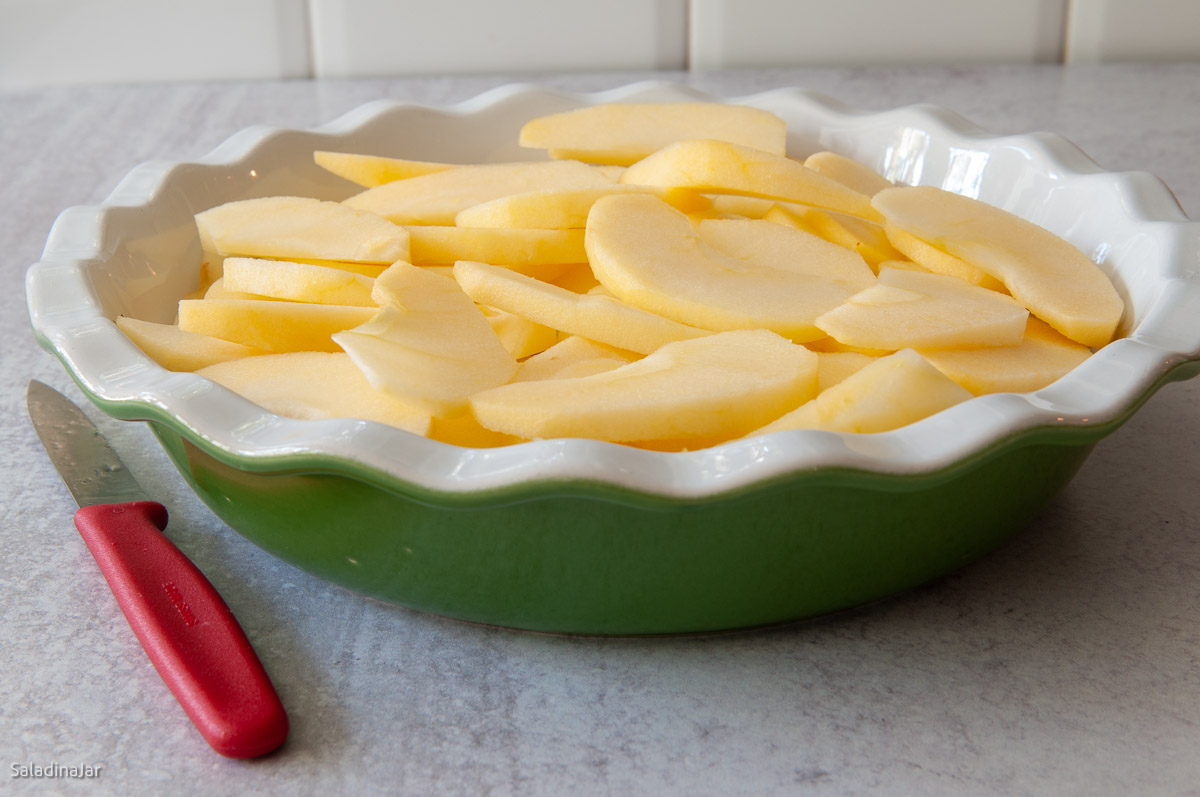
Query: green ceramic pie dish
580,536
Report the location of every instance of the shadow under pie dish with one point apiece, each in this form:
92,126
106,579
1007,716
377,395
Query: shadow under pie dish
583,536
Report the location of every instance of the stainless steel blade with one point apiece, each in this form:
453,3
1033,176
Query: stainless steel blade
87,463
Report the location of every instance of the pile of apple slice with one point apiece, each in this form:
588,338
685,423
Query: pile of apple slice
667,278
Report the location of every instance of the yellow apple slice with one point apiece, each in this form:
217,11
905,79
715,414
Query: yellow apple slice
936,260
290,227
463,430
429,345
601,318
522,337
648,254
886,394
720,385
623,133
866,238
572,356
848,172
271,325
372,170
218,291
437,245
179,350
762,244
909,309
439,197
297,282
562,209
1042,357
1056,281
721,167
835,366
296,385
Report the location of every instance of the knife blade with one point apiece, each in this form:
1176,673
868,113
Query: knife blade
187,630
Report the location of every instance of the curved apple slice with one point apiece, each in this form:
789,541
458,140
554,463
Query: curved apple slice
648,254
717,386
723,167
429,345
623,133
566,208
1056,281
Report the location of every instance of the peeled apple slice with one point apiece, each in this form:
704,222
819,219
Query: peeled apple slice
291,227
437,198
911,309
598,317
647,254
429,345
566,208
721,167
886,394
720,385
1056,281
297,385
296,282
178,350
623,133
372,170
271,325
848,172
505,246
765,244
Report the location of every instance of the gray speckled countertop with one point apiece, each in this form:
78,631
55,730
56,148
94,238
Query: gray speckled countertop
1066,662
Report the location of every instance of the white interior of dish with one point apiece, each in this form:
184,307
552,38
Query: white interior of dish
137,254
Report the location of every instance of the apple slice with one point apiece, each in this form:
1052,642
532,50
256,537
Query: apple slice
1056,281
437,245
848,172
886,394
936,260
574,355
297,282
866,238
291,227
720,385
437,198
623,133
565,208
178,350
721,167
522,337
296,385
271,325
834,367
762,244
429,345
910,309
372,170
648,254
1042,357
601,318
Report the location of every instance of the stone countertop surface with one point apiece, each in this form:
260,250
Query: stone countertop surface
1065,662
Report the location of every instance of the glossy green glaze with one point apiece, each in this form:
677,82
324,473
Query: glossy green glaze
581,560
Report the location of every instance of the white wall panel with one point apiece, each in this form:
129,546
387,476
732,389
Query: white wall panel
48,42
357,38
762,33
1133,30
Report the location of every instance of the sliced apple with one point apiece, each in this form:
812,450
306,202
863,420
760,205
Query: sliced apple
1056,281
934,259
291,227
886,394
909,309
179,350
372,170
1042,357
566,208
761,244
522,337
439,197
429,345
866,238
648,254
297,282
721,167
835,366
848,172
623,133
439,245
296,385
271,325
574,355
593,316
720,385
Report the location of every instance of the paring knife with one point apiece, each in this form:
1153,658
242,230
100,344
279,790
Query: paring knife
189,633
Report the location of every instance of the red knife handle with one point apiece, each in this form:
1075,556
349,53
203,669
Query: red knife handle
189,633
